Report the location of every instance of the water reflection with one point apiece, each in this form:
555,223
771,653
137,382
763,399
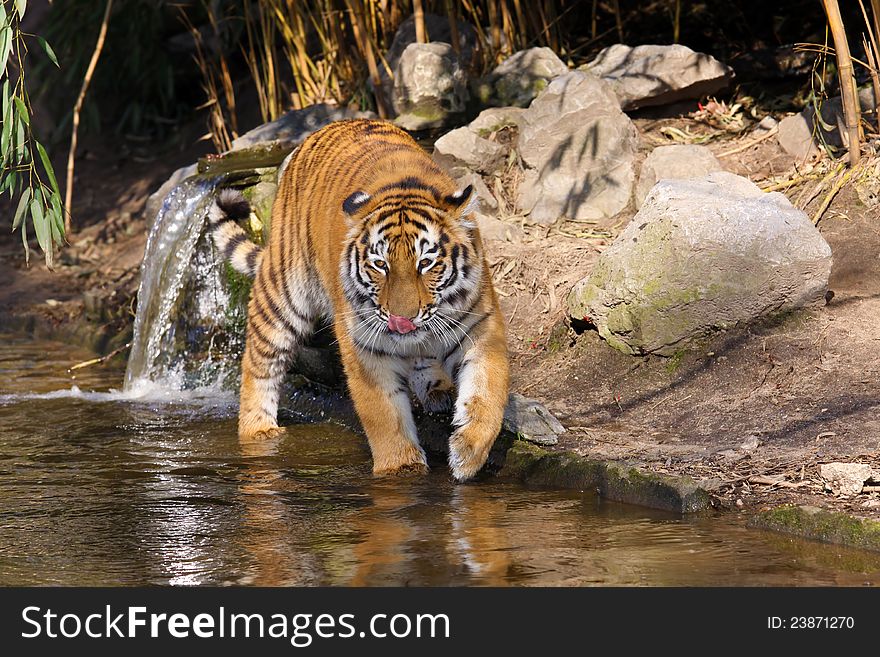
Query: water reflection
100,489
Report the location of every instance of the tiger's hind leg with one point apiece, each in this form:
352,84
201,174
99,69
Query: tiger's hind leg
432,385
275,328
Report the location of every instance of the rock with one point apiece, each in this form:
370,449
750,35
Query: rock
438,29
521,77
659,75
429,86
461,149
492,228
679,161
750,444
467,149
530,420
699,256
494,119
292,127
801,135
845,478
488,202
578,148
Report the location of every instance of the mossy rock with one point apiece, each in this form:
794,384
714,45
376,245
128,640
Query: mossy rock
619,482
821,525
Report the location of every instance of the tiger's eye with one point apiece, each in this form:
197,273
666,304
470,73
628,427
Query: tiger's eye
424,263
380,264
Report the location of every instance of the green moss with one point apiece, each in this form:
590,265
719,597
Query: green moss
558,337
239,288
820,525
245,159
674,361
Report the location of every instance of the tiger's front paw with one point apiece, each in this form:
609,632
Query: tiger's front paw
467,453
408,461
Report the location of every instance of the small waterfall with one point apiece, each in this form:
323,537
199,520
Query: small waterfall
183,309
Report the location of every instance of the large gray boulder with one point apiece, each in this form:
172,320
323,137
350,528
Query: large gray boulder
291,128
677,161
702,255
658,75
578,148
430,87
521,77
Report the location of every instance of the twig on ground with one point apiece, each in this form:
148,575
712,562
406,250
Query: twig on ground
757,140
839,183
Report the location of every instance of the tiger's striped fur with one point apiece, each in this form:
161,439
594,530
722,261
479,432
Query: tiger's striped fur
369,231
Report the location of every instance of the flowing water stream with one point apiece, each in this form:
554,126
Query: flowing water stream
151,486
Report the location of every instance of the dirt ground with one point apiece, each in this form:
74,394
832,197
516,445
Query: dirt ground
755,411
751,414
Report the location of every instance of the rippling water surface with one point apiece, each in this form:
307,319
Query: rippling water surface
151,486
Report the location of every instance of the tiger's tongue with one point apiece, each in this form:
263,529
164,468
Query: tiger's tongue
400,324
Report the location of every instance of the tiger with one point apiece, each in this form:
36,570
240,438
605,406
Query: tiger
370,234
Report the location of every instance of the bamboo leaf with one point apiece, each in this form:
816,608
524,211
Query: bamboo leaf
22,111
55,231
47,165
22,206
6,38
58,215
24,241
41,225
48,50
21,5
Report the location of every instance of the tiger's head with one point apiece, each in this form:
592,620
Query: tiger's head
410,269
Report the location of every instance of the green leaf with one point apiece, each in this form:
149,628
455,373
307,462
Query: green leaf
22,111
24,241
47,165
21,5
20,144
5,38
8,125
41,225
59,215
22,206
48,49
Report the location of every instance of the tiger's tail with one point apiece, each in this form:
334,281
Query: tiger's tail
228,207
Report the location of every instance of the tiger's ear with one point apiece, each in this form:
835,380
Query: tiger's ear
355,202
466,202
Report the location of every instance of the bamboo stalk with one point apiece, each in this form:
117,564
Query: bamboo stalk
851,110
875,79
873,54
366,47
77,109
419,18
453,27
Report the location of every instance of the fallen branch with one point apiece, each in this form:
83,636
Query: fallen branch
102,359
839,183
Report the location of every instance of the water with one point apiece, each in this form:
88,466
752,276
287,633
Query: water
151,486
183,303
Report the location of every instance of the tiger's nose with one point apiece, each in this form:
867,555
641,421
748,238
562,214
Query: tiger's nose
400,324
